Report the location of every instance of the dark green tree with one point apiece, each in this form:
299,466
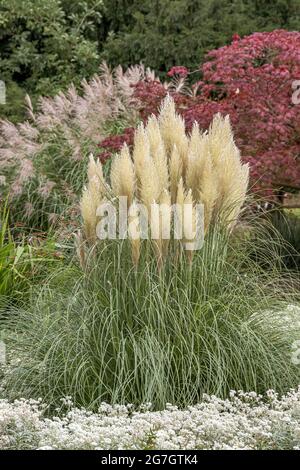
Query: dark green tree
45,45
162,33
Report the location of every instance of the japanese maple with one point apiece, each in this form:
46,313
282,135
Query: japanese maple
252,80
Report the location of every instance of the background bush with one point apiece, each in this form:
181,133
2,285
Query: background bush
163,33
251,79
44,45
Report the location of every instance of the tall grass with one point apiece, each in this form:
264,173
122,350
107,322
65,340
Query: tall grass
286,226
15,261
130,335
21,262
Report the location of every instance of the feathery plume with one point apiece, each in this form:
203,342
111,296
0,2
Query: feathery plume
175,172
92,197
122,175
172,129
201,177
157,150
88,209
149,183
95,170
169,167
141,151
232,176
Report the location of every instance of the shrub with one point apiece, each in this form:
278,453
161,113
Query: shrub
171,32
45,46
251,80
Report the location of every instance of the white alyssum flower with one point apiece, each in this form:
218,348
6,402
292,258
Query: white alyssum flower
243,421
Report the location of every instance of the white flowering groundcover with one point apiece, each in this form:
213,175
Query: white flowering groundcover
243,421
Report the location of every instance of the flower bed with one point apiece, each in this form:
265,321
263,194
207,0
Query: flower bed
243,421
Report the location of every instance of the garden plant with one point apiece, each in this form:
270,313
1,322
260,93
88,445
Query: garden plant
150,225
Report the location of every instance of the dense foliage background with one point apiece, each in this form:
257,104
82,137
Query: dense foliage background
163,33
46,45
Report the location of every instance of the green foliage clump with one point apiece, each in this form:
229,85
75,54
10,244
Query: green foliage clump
164,33
120,335
44,46
21,262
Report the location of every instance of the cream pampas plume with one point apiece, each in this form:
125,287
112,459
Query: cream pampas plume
168,167
149,183
180,193
201,177
220,133
172,128
88,209
96,182
91,198
175,172
122,175
146,173
141,151
95,170
232,176
233,182
158,152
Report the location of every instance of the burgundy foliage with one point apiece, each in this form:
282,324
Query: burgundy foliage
114,143
178,70
251,80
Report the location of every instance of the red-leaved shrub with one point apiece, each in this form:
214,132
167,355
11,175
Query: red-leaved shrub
251,80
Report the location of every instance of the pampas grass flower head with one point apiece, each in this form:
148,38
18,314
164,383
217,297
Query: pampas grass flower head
203,168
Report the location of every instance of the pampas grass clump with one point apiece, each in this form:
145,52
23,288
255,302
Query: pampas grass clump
122,331
121,334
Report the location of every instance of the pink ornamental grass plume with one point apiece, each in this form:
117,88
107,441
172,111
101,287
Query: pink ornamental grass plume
64,130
